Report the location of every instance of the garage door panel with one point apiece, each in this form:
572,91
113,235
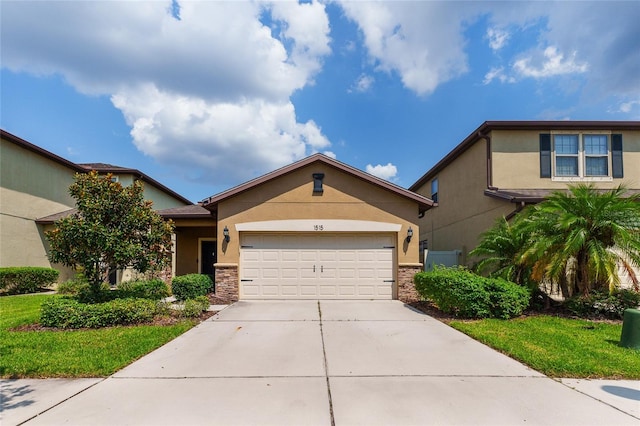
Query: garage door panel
290,273
289,256
328,289
309,266
270,290
289,290
308,290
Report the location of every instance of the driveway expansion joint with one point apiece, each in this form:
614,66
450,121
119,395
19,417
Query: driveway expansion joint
326,368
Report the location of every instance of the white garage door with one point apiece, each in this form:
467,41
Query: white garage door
316,266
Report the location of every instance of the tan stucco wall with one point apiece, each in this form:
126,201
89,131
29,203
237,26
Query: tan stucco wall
291,197
31,187
516,161
188,248
463,211
25,171
161,200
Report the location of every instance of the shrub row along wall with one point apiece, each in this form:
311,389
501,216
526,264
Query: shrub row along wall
62,312
26,279
462,293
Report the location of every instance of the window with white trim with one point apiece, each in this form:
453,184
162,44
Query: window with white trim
580,156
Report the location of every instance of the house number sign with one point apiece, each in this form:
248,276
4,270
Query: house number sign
318,227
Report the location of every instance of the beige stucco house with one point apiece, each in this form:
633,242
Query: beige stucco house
34,187
316,229
504,165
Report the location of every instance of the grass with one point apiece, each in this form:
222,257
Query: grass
77,353
559,347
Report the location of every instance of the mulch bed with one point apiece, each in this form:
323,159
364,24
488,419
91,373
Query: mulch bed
215,300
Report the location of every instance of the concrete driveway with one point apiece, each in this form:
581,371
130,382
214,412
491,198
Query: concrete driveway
328,363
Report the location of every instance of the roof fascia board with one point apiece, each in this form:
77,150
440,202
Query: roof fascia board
82,169
423,202
41,151
488,126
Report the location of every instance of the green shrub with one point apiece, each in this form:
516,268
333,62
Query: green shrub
508,300
74,286
106,293
191,286
194,307
26,279
62,312
462,293
599,304
154,289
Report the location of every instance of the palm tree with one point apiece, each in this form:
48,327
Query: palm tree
501,249
579,238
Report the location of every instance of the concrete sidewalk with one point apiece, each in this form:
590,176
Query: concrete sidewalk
342,363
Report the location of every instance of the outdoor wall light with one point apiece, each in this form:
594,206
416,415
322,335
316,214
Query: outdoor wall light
225,232
409,234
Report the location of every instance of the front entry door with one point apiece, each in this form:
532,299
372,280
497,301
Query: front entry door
208,258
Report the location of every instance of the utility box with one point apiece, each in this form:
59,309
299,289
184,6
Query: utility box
630,329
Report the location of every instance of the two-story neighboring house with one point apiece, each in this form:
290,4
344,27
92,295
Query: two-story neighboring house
502,166
34,192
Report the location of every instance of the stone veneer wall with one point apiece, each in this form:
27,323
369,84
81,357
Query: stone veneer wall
406,289
227,282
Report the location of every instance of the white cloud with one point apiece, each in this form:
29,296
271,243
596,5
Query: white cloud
362,84
388,172
497,73
552,63
420,41
208,93
628,106
497,38
228,142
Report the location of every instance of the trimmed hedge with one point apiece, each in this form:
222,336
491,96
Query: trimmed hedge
62,312
26,279
191,286
462,293
154,289
598,304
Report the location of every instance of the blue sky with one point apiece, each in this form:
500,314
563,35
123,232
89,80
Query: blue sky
203,96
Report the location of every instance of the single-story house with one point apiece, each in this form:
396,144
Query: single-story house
315,229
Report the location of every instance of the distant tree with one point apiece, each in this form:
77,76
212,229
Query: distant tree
114,227
581,237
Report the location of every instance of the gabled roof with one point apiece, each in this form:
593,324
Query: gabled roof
488,126
110,168
84,168
424,203
40,151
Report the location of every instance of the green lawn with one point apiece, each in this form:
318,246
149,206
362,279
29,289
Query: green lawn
78,353
559,347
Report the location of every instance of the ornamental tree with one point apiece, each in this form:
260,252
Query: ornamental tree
114,227
583,237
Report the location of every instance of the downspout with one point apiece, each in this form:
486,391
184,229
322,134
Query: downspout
487,138
518,209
